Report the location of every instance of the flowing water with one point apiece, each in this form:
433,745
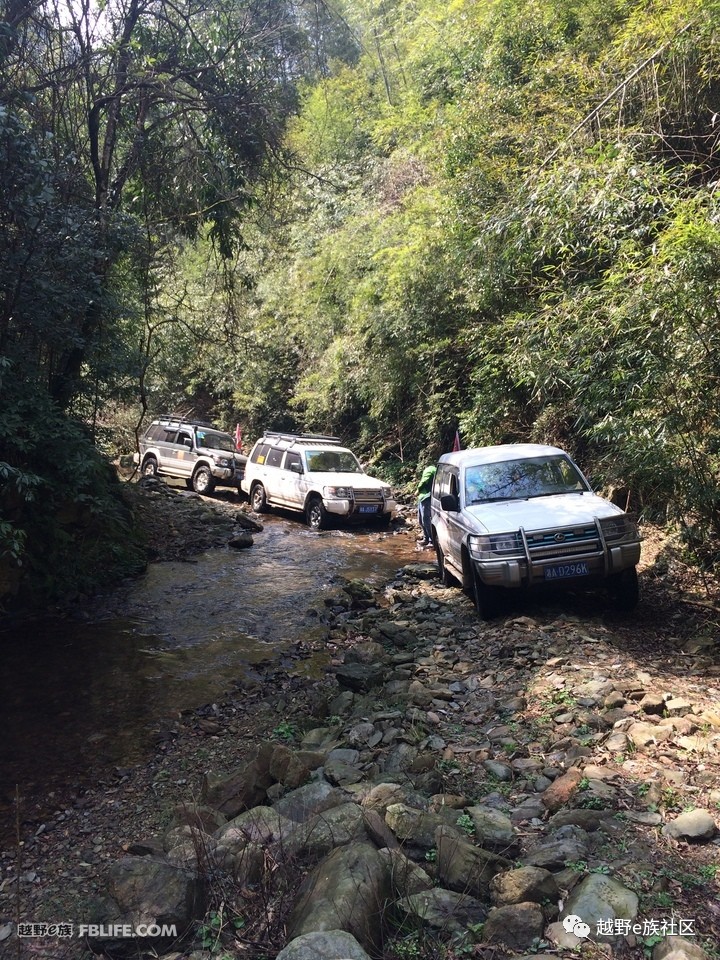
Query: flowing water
83,693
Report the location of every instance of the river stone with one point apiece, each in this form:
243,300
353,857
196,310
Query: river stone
589,820
199,816
406,876
346,891
516,926
336,827
242,789
383,795
645,734
360,677
306,801
417,827
693,825
524,885
678,948
562,790
149,891
324,945
261,825
444,910
565,845
464,867
598,898
499,770
493,829
241,540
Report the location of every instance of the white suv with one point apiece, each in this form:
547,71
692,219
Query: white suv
195,451
518,515
316,475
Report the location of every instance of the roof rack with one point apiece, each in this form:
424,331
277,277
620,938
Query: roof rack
171,418
299,437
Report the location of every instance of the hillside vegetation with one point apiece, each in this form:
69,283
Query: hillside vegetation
387,220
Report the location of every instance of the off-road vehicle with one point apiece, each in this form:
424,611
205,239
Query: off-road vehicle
522,515
316,475
192,450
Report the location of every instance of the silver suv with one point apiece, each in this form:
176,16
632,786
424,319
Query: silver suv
316,475
520,515
192,450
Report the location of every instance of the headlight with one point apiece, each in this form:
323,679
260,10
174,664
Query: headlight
338,493
499,546
620,527
221,461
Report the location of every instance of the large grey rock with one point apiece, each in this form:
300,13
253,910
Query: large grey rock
151,891
464,867
336,827
598,898
678,948
417,827
565,845
346,891
242,789
444,909
524,885
406,876
516,926
302,804
324,945
697,825
493,829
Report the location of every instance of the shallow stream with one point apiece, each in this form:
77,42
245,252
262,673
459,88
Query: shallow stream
94,691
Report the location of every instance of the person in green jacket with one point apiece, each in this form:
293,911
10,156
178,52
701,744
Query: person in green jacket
424,490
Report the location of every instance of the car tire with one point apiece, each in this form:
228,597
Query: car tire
625,590
446,578
150,467
316,514
258,499
202,481
487,600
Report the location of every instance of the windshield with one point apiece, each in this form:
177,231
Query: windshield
332,461
522,479
214,440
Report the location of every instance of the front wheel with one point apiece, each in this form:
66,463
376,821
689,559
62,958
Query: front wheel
625,590
316,515
258,500
150,467
487,600
202,481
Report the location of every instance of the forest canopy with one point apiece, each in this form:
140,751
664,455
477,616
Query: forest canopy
380,218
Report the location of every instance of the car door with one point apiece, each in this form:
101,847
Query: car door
292,482
453,518
273,475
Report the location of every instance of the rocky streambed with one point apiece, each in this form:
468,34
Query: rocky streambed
542,784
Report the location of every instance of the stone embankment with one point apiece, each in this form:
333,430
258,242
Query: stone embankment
533,785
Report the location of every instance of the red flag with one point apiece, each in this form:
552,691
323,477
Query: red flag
456,442
238,437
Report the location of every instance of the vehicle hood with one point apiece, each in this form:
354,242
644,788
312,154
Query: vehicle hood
360,481
563,510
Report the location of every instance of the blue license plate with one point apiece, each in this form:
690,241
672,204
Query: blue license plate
368,509
561,571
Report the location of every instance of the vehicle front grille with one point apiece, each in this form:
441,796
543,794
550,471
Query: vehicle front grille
563,542
368,496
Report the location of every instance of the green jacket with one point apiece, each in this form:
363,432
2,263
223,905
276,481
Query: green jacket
426,482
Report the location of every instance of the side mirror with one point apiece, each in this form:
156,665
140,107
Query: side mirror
449,503
187,442
296,467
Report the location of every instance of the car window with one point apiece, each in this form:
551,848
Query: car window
292,460
274,457
332,461
259,453
214,440
156,431
521,479
168,434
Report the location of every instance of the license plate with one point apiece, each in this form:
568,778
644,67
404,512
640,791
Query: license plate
563,570
368,509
